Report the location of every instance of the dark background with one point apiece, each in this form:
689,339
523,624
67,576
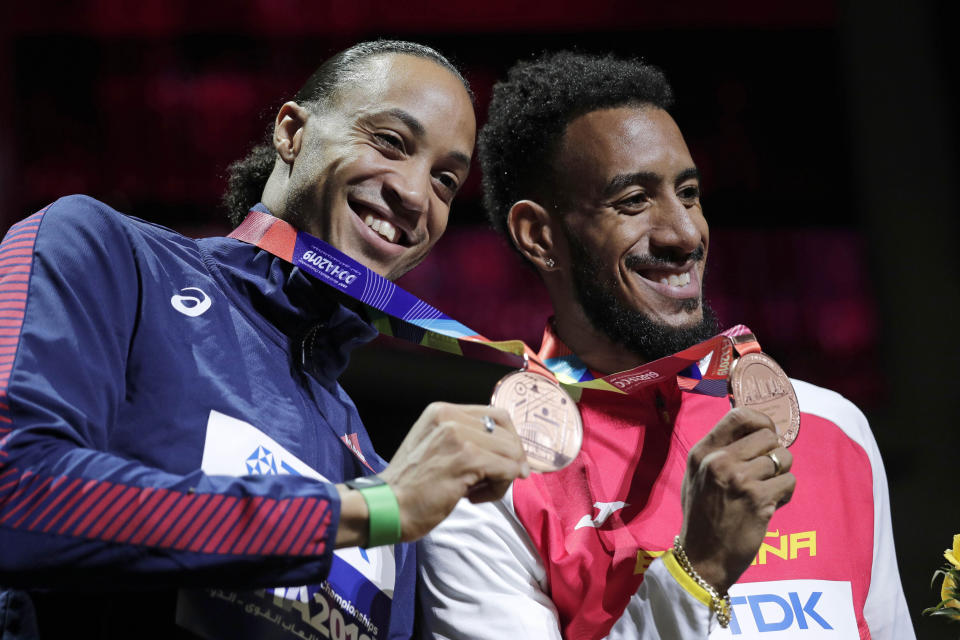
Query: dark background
825,131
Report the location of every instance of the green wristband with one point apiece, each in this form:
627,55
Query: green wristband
383,507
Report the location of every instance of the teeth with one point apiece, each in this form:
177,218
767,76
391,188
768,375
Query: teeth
382,227
387,230
674,280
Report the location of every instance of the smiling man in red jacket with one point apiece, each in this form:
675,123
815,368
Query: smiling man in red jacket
589,177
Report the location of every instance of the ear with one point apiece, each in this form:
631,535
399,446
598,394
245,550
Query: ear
288,130
533,232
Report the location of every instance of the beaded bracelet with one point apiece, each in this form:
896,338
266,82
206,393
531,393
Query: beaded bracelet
718,604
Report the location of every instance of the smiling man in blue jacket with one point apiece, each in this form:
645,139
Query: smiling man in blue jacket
170,417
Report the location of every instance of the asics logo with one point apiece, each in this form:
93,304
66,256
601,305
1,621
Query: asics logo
191,305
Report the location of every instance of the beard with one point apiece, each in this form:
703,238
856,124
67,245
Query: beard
629,328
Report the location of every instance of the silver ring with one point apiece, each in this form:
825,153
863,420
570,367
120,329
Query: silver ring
776,463
490,425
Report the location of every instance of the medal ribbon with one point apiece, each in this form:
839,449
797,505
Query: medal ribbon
393,311
703,368
399,313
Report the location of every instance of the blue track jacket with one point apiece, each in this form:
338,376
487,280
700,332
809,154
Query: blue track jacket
169,412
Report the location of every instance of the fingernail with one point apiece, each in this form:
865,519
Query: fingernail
525,470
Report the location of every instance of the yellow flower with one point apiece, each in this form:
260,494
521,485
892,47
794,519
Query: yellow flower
953,555
948,584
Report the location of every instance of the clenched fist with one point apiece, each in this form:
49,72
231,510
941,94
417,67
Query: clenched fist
732,487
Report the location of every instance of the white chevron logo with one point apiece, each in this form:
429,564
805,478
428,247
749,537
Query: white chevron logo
606,509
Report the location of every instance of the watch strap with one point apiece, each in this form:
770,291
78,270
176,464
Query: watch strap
384,528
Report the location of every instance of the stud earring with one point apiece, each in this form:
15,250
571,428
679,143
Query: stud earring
550,263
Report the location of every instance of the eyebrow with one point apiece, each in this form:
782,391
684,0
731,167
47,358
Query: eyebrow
407,118
687,174
623,180
419,131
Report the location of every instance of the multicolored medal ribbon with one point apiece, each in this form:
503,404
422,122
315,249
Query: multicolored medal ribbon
392,310
704,368
730,363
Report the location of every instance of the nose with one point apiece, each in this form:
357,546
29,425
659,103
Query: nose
678,230
408,189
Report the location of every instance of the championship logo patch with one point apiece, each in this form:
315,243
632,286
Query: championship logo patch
261,463
353,602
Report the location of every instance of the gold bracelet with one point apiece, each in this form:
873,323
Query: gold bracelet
720,605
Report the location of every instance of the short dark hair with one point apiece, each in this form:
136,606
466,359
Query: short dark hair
247,178
531,109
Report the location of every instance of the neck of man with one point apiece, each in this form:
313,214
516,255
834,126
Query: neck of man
594,348
273,192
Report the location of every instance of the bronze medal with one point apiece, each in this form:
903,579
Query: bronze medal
545,416
759,383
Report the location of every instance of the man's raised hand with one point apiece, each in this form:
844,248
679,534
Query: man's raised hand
448,454
737,477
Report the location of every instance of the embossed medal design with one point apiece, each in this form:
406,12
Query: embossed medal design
759,383
546,418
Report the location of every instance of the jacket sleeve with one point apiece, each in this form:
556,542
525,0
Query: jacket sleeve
481,578
72,513
885,609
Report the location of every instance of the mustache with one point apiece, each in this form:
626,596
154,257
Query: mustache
672,259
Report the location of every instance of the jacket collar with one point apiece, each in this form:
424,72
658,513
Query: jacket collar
311,316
